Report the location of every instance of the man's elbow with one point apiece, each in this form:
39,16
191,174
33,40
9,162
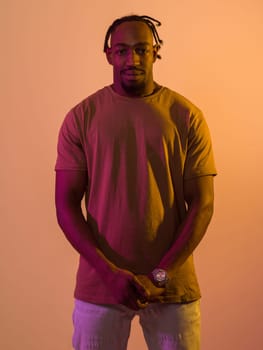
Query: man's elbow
207,208
60,214
64,210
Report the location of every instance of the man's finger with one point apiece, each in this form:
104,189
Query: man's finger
142,303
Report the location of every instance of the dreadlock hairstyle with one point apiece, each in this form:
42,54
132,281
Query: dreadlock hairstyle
151,23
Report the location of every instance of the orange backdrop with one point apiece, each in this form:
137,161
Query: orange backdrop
51,58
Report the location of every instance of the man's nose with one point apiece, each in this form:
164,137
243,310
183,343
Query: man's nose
132,57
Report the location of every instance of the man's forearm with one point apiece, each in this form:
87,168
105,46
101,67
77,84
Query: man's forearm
189,236
78,233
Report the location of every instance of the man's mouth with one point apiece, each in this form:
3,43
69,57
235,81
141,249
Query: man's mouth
132,72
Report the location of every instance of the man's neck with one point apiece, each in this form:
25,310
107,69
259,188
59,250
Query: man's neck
148,92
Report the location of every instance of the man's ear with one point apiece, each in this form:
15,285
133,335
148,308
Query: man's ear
156,48
109,55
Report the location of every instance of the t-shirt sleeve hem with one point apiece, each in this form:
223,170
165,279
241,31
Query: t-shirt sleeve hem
199,174
69,168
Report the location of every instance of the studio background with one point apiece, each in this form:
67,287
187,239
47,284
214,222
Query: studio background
51,58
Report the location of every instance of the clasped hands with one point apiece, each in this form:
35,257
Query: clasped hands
133,291
147,290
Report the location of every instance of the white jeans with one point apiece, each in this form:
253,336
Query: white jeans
165,326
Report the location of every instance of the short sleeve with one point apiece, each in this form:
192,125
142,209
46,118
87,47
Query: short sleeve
70,150
199,157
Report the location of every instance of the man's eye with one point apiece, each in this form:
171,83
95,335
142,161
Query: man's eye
140,51
121,52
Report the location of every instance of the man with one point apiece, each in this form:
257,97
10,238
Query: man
141,154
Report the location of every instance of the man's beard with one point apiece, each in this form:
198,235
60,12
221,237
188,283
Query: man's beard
136,89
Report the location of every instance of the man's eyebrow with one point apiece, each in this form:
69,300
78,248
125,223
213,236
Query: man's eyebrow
145,43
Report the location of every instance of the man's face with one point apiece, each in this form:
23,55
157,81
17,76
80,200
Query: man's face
132,55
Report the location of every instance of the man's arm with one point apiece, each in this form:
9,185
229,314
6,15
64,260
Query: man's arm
70,188
199,196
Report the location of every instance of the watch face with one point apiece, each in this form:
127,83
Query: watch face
160,276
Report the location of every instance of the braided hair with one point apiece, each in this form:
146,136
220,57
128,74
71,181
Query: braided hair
149,21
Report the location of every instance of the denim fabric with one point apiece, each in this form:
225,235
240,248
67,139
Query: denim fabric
165,326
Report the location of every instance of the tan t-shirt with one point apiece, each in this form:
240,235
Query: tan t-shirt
137,153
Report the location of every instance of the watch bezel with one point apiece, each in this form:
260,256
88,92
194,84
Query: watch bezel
159,276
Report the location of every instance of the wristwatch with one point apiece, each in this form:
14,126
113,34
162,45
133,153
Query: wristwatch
159,277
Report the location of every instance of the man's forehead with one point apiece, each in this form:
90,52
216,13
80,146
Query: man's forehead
131,33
